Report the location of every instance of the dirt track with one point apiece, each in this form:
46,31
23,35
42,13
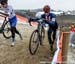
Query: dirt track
19,54
71,56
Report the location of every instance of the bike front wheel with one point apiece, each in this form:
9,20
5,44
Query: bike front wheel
7,31
34,42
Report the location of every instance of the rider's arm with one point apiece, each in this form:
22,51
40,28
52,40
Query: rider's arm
53,21
10,11
2,11
5,14
33,19
43,17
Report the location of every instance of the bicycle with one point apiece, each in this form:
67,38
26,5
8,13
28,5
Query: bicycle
37,37
5,28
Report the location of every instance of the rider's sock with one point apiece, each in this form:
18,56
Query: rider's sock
13,39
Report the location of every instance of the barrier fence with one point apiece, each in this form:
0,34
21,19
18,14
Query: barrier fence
60,56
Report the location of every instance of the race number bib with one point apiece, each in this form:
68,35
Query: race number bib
53,19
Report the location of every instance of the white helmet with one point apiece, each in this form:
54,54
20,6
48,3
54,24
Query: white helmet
38,14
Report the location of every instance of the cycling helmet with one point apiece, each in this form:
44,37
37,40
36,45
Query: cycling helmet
46,9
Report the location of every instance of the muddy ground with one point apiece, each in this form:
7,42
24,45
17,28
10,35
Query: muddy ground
19,54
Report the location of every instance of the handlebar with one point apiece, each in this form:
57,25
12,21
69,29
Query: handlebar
41,20
3,15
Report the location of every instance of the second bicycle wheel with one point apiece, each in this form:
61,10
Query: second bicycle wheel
34,42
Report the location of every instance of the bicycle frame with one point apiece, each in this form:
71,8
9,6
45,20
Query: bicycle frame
40,26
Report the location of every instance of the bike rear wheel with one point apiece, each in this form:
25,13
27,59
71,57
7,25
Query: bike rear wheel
7,30
34,42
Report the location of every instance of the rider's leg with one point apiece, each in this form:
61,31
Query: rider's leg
52,28
17,32
49,38
54,36
13,36
13,22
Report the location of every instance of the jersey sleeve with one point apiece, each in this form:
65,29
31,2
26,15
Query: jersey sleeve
10,10
53,17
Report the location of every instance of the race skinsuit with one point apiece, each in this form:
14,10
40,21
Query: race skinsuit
12,19
53,25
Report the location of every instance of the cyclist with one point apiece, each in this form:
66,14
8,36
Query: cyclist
12,19
51,21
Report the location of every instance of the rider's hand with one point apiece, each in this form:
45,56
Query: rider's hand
30,19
